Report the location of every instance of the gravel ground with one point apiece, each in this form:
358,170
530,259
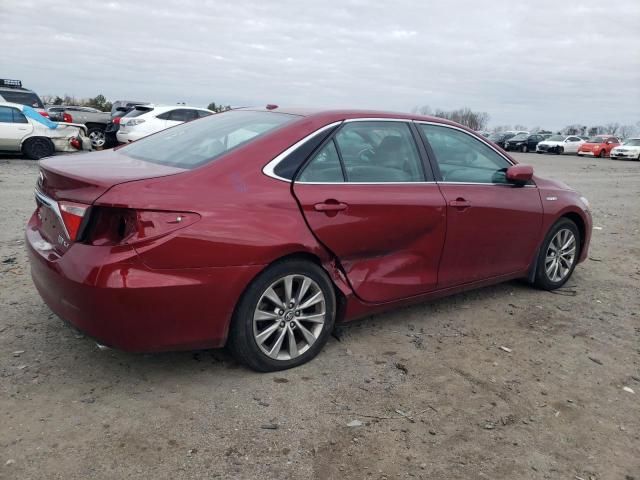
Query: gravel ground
427,390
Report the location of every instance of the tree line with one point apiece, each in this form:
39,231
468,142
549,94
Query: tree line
480,120
101,103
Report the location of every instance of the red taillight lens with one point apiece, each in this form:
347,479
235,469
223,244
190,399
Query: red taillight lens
72,216
115,226
116,120
67,118
44,114
75,143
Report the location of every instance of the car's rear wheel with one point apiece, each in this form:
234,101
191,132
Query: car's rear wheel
97,137
525,149
284,318
558,255
38,147
602,153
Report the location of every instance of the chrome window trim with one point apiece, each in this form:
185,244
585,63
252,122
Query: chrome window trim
438,124
53,205
367,183
376,119
269,168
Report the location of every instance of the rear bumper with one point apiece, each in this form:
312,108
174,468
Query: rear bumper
126,137
589,154
108,293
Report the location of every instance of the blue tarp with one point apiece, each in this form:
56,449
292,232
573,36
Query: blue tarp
34,115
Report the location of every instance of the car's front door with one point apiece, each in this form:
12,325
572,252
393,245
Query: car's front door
14,126
369,200
493,227
571,144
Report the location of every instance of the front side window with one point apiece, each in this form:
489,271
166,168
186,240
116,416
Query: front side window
193,144
463,158
377,151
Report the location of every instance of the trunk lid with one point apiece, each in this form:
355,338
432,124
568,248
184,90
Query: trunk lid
85,177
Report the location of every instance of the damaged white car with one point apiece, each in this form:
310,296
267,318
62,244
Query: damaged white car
23,129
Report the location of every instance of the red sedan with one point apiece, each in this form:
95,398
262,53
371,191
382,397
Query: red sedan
261,228
598,146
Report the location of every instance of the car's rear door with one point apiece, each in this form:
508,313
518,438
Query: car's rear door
369,198
493,227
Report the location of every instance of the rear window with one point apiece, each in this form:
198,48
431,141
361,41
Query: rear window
23,98
192,144
136,112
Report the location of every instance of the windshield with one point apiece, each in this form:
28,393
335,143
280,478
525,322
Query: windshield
634,142
556,138
596,140
194,143
496,136
520,136
23,98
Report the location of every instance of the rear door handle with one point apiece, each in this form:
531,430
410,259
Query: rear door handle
460,203
330,207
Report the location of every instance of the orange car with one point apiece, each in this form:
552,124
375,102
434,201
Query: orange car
598,146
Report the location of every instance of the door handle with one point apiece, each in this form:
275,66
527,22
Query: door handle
460,203
329,206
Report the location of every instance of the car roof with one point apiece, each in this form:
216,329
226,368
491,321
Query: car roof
168,107
11,104
343,114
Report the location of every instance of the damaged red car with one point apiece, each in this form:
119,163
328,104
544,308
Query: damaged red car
261,228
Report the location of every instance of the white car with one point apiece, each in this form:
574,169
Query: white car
23,129
560,144
144,120
630,149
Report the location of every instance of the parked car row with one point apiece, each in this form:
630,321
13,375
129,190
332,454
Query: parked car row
597,146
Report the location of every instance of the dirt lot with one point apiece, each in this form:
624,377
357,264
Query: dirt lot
435,395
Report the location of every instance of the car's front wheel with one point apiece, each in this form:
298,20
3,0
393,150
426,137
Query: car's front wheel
284,318
558,255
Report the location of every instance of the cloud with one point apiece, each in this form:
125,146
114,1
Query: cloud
542,63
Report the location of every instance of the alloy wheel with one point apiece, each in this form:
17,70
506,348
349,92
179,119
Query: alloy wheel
560,255
289,317
98,138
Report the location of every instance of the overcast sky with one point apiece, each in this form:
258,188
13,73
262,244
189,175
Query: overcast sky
546,63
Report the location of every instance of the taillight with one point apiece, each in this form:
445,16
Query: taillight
116,226
67,118
116,121
72,215
44,114
75,143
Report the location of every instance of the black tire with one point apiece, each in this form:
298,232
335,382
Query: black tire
602,153
542,279
98,137
559,150
242,342
36,148
525,149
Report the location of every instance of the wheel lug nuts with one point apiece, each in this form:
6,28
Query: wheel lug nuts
292,325
280,312
297,313
281,324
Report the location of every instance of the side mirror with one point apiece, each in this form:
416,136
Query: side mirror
519,174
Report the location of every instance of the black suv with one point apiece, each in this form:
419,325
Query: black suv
525,143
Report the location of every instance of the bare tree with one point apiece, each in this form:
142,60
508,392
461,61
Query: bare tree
626,131
520,127
612,128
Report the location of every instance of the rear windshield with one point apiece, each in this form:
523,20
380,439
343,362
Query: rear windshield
136,112
194,143
596,140
23,98
520,136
